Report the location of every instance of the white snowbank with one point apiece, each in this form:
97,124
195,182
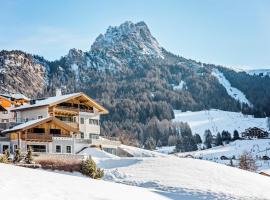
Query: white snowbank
232,91
18,183
165,149
96,153
183,178
138,152
218,120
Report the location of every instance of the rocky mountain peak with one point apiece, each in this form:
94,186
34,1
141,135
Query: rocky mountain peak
129,37
19,72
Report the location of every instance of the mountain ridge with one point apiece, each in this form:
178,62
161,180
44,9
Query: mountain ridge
134,77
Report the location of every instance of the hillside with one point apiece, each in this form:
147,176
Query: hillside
257,148
139,81
219,120
184,178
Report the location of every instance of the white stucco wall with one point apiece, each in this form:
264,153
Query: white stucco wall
32,113
7,116
88,128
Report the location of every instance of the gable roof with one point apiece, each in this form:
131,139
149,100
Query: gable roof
36,122
15,96
59,99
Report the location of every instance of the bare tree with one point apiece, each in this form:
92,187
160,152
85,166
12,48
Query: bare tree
247,162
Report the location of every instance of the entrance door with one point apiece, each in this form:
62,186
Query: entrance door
38,148
5,147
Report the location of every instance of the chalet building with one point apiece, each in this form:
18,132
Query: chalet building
254,133
7,103
59,124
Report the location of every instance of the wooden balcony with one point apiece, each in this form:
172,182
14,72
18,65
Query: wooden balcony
38,137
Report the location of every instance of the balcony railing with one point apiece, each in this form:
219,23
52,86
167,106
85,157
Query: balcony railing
74,109
37,136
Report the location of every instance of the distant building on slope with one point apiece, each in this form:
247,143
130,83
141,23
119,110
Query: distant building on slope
252,133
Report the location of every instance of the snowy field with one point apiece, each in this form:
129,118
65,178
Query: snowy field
18,183
158,177
258,148
183,178
218,120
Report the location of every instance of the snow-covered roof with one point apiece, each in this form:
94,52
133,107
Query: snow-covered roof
24,125
59,99
15,96
48,101
35,122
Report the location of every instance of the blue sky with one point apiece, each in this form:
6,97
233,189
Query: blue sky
229,32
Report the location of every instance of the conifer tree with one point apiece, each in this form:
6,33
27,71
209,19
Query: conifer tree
218,140
29,156
208,138
236,135
17,156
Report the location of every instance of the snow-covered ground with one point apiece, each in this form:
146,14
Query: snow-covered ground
232,91
186,178
165,149
138,152
158,177
258,148
218,120
96,153
181,85
18,183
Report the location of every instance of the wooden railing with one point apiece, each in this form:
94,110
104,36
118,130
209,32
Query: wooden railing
37,137
74,109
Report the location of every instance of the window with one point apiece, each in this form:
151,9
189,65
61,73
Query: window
93,136
82,135
94,121
58,148
39,130
40,117
55,131
37,148
15,147
5,120
68,149
5,147
5,112
82,120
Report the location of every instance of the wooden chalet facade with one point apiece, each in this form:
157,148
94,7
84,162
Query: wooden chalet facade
59,124
254,133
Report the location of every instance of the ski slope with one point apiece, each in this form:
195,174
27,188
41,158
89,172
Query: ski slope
232,91
218,120
18,183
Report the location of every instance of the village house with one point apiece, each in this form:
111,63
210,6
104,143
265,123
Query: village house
60,124
7,103
254,132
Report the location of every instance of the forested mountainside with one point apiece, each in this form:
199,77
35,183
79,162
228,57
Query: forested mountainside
136,79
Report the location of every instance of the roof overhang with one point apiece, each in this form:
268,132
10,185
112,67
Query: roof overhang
39,122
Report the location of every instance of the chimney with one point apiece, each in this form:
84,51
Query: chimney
58,92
